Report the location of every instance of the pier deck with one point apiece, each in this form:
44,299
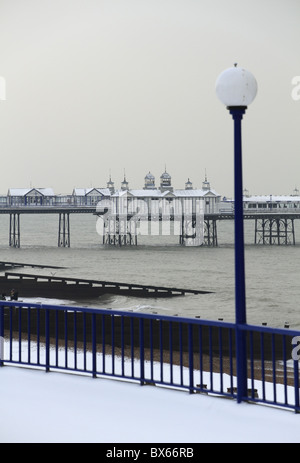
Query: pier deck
271,226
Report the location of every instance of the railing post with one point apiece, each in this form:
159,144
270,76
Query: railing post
94,345
296,385
241,364
191,358
47,336
1,335
142,367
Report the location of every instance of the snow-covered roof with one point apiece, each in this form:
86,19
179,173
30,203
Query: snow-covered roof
274,198
195,193
165,175
87,191
25,191
139,193
156,193
149,176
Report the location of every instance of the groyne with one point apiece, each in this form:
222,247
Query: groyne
35,285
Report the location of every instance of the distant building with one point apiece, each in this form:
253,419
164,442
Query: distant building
89,196
153,199
30,197
271,202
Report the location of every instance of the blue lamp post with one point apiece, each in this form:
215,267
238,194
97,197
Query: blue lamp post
237,88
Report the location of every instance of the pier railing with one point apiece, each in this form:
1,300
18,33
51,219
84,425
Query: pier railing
195,355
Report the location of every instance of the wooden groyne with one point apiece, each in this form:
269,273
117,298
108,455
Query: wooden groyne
29,285
10,265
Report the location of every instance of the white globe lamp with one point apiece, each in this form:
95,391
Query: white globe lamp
236,87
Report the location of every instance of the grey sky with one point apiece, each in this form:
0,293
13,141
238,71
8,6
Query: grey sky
95,86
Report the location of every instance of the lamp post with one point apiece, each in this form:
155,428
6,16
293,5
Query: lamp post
237,88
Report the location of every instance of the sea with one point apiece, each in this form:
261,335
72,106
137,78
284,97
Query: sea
272,272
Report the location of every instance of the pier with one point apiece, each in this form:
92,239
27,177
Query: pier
271,227
63,212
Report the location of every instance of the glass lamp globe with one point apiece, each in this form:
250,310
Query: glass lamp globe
236,87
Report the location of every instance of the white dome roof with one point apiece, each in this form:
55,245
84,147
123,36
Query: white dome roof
165,175
149,176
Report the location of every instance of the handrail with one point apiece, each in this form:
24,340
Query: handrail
171,351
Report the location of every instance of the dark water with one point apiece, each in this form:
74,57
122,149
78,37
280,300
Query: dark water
272,272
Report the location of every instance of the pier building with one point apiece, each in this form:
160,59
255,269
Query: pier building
30,197
89,196
271,202
159,211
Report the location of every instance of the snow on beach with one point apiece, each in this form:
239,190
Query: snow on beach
60,407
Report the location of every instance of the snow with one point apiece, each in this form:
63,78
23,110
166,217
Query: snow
273,198
46,300
25,191
156,193
58,407
88,191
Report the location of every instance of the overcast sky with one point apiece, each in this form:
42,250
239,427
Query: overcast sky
99,86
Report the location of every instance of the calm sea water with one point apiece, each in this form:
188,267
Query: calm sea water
272,272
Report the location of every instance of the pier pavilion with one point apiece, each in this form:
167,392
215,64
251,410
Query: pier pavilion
89,196
30,197
157,212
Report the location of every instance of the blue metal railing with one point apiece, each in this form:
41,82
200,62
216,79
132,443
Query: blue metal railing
191,354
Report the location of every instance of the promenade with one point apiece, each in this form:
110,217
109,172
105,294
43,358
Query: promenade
39,407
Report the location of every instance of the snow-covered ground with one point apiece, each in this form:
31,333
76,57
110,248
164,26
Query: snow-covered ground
59,407
62,407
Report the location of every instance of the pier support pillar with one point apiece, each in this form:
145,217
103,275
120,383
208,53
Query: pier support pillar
210,232
192,230
274,230
64,230
120,231
14,229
